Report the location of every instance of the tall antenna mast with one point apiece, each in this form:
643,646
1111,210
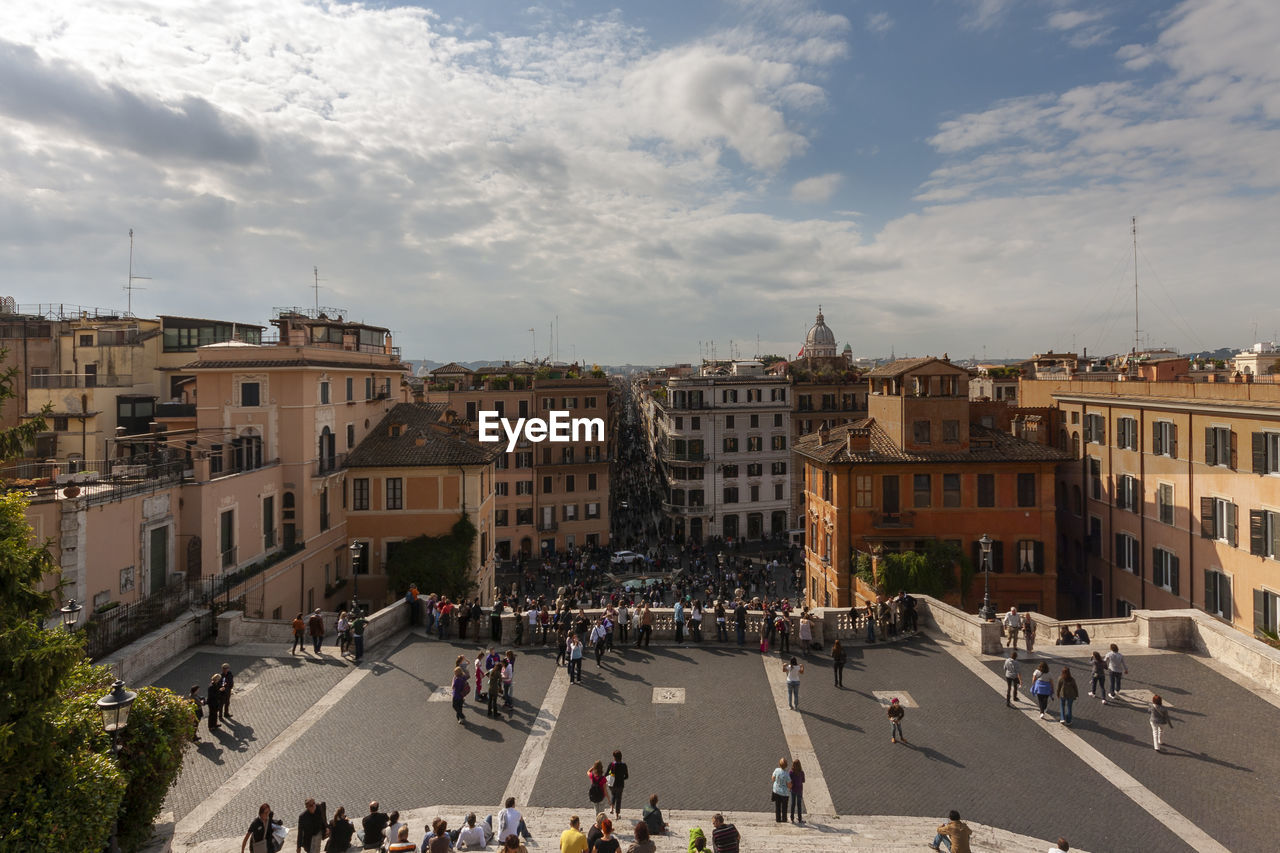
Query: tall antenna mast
129,287
534,335
1133,363
315,272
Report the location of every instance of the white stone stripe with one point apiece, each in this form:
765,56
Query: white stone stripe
817,797
529,764
251,769
1176,821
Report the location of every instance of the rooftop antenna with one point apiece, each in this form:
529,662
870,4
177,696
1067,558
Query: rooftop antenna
315,272
129,286
1133,363
534,336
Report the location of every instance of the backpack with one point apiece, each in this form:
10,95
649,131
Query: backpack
596,792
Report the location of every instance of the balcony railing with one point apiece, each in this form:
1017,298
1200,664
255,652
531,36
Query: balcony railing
672,456
893,520
229,557
681,509
79,380
329,464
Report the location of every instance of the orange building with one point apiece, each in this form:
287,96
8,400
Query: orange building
915,470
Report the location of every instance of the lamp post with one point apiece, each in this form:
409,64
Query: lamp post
114,708
355,577
986,612
70,614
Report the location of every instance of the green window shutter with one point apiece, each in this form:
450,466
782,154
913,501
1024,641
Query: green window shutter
1039,557
1172,449
1210,446
1259,607
1173,574
1231,526
1206,518
1257,533
1259,453
1210,591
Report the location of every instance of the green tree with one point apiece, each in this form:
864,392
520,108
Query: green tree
931,572
439,564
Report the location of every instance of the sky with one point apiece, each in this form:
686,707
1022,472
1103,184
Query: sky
669,180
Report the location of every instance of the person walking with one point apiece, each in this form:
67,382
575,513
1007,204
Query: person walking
1042,687
597,640
574,653
298,628
261,832
895,712
870,616
797,791
781,788
597,788
213,697
793,671
508,677
312,828
1068,691
838,658
1028,631
459,690
357,634
1159,719
677,617
344,632
226,683
646,627
617,778
315,625
740,621
1012,626
1098,683
1116,669
494,677
1012,679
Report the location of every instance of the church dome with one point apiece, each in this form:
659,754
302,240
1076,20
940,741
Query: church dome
820,341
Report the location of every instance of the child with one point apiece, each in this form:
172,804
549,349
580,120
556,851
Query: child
896,713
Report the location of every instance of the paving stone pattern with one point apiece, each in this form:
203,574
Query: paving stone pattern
715,751
1221,763
270,694
384,741
966,751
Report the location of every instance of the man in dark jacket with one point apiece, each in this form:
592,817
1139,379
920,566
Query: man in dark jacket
316,626
375,825
311,828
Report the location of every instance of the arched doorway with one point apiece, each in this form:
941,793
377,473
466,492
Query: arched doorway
755,525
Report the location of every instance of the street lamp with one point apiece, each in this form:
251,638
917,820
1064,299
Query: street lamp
70,614
114,708
355,576
986,612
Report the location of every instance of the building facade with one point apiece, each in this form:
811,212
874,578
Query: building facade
1173,497
917,470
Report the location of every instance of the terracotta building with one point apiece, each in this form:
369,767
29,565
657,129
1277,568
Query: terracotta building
1172,498
548,496
916,469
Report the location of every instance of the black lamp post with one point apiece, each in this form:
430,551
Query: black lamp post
114,708
355,577
70,614
986,612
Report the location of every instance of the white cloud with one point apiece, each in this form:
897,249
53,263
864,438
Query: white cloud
985,14
818,188
879,23
1070,19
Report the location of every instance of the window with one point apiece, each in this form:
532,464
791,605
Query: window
920,432
1266,453
755,469
570,512
1220,446
548,403
1164,569
268,522
588,402
500,518
778,469
1095,429
593,509
525,487
524,516
731,494
1127,433
779,442
729,396
324,393
921,489
566,455
500,489
754,444
695,423
755,421
86,340
1164,438
1030,556
1218,520
777,491
1095,536
546,485
1264,533
862,490
986,490
360,493
351,392
951,490
730,472
569,483
678,421
395,493
524,459
1095,478
1164,502
731,445
351,436
1128,495
950,430
777,419
1026,490
591,483
697,497
227,537
368,387
1266,612
755,493
826,486
1217,593
249,394
1127,554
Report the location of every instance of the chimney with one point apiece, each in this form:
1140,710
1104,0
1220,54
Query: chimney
823,433
858,440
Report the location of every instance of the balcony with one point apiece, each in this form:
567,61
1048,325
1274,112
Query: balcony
893,520
228,557
79,380
681,509
328,464
671,456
